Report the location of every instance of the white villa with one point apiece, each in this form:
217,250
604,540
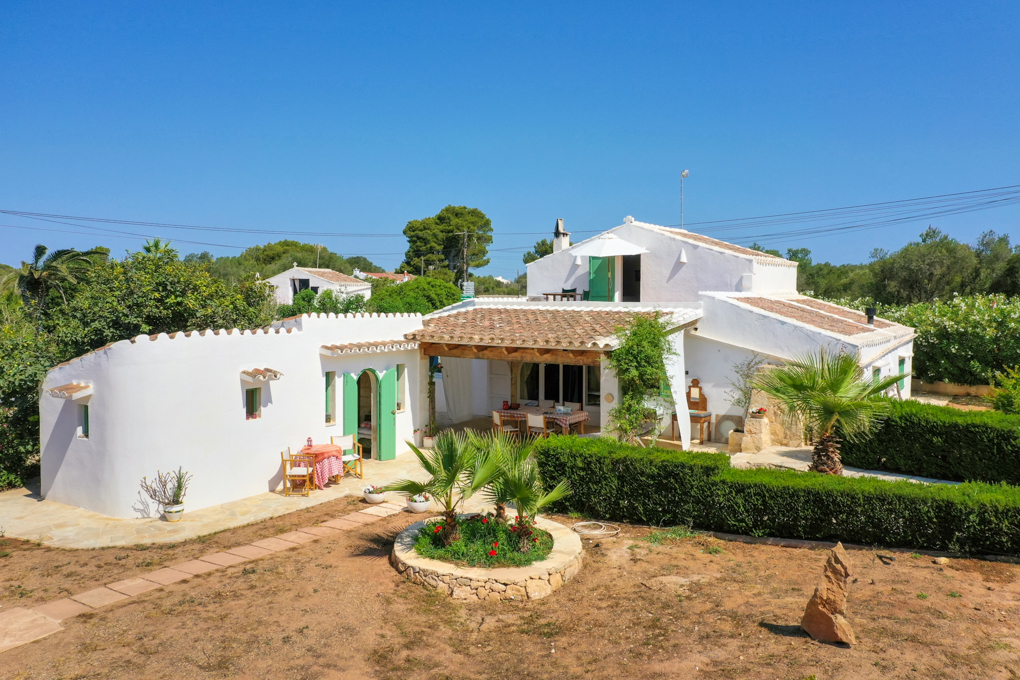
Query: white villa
296,279
222,404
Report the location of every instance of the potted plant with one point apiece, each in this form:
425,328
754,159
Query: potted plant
419,503
759,412
374,494
168,490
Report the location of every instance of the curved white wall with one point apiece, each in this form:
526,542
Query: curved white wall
169,402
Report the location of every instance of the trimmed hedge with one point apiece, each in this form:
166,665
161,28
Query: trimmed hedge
618,482
941,442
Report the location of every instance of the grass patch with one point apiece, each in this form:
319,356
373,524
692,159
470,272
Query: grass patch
922,596
485,543
671,534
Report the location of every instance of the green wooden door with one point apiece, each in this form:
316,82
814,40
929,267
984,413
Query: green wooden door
350,404
601,278
386,429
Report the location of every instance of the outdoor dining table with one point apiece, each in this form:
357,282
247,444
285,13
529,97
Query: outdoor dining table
327,462
564,420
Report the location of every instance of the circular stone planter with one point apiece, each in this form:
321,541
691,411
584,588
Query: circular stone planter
533,582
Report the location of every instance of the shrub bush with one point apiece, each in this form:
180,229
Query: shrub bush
1006,395
941,442
615,481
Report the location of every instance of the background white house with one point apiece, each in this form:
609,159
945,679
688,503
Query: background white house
296,279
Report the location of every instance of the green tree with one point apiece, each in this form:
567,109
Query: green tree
456,472
158,247
420,296
640,367
831,394
1008,280
326,302
935,267
542,248
993,253
439,242
49,272
762,249
364,264
148,294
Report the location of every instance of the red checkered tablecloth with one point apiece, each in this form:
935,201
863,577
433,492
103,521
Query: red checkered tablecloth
327,462
564,420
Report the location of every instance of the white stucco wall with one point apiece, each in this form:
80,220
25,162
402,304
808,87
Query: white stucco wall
179,402
285,294
663,277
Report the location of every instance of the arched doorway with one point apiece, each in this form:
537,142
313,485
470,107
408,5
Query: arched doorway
370,407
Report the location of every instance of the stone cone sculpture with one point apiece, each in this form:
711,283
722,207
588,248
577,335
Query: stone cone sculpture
824,617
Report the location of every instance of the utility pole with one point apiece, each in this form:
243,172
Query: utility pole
465,235
318,247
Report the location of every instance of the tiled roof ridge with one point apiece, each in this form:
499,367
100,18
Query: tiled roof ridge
276,328
718,244
332,275
874,334
370,347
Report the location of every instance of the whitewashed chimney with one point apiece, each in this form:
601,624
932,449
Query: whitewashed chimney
561,239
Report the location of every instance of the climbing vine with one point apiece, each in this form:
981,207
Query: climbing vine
640,367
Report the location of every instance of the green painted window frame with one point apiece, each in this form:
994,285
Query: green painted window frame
330,398
252,403
876,373
84,421
903,369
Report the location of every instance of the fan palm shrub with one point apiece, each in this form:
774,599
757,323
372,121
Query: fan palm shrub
48,271
457,470
831,394
518,482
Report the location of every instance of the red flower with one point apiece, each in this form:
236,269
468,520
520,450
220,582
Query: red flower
496,544
485,520
513,528
492,553
438,529
534,540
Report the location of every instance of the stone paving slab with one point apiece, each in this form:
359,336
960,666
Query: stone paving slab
380,511
362,517
342,524
20,626
61,609
99,597
249,552
195,567
321,532
223,559
274,544
166,576
298,537
133,586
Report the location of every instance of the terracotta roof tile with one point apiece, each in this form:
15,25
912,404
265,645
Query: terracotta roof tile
370,347
68,390
806,315
262,374
389,275
844,312
334,276
698,238
534,327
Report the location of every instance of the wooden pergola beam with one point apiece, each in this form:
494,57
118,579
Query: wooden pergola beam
544,355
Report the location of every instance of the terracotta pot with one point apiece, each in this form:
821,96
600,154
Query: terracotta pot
173,513
428,442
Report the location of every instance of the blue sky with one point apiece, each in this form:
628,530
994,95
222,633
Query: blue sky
354,119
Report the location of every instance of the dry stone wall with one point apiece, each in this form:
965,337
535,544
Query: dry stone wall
533,582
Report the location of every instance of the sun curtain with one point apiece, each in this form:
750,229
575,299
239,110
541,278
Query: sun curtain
457,388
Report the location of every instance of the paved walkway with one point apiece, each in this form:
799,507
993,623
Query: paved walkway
19,626
23,514
799,458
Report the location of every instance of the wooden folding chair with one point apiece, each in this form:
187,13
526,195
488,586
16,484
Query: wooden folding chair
298,473
352,461
538,426
499,426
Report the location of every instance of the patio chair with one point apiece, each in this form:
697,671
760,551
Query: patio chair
499,426
538,426
573,405
352,461
547,403
697,405
298,473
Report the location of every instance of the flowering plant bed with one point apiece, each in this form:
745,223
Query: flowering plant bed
485,542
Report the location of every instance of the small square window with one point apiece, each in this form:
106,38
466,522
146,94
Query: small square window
253,403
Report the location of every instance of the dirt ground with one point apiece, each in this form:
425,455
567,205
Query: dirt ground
695,607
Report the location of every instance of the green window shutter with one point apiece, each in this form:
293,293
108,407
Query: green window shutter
601,278
330,396
85,420
386,429
350,404
903,369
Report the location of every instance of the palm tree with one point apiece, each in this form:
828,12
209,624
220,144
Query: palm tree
157,247
456,472
46,272
518,482
831,394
